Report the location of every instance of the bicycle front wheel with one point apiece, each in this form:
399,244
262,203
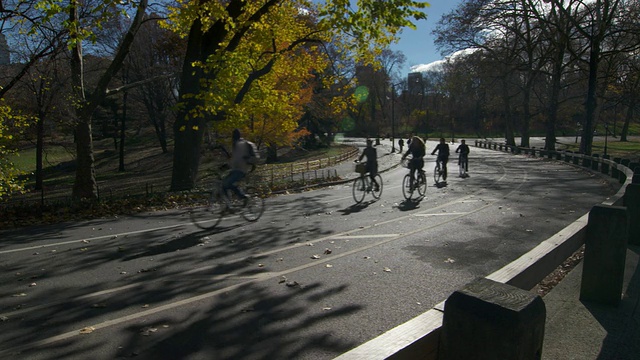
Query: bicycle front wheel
422,183
437,173
207,214
407,190
359,189
377,192
254,208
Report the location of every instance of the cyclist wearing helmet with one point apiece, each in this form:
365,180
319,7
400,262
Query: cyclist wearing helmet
372,163
417,150
443,156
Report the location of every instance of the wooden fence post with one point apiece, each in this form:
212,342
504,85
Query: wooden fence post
605,166
604,255
488,320
623,175
615,173
632,203
595,161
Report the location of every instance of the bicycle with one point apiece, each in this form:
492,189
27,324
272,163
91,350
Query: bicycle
409,186
218,205
439,171
363,184
463,163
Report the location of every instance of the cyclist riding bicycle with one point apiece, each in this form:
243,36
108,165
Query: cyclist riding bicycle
242,158
417,150
463,149
443,156
372,163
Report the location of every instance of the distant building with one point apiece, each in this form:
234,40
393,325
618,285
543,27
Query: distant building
414,83
4,51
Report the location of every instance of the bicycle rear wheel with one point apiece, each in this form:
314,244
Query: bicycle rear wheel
407,191
378,193
422,183
207,215
254,208
359,189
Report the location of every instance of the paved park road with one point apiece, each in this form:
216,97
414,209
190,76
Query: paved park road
314,277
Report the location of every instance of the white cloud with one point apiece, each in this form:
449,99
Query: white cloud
439,64
433,66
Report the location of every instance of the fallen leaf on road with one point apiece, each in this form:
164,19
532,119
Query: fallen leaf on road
145,306
327,251
87,330
98,306
148,330
19,295
329,265
315,256
32,284
450,261
387,269
4,318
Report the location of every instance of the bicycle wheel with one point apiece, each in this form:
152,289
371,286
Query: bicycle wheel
359,189
376,194
407,191
437,173
422,183
461,167
255,205
209,214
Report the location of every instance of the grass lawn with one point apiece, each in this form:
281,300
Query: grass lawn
615,148
25,160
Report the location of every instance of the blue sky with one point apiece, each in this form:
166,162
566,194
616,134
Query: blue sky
417,45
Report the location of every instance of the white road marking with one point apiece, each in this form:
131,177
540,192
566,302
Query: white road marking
365,236
442,214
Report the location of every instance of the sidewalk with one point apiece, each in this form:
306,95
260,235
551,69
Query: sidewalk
583,331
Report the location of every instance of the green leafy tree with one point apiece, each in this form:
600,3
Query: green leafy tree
9,174
232,46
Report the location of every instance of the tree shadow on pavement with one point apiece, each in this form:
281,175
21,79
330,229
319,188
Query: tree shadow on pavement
253,322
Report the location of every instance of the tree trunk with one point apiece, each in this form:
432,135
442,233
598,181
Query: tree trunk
508,117
123,123
591,101
272,153
524,139
39,150
627,120
186,155
187,130
85,186
161,132
556,83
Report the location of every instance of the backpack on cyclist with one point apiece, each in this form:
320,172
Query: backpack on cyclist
252,152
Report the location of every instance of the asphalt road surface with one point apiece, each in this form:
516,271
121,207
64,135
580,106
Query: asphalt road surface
315,277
